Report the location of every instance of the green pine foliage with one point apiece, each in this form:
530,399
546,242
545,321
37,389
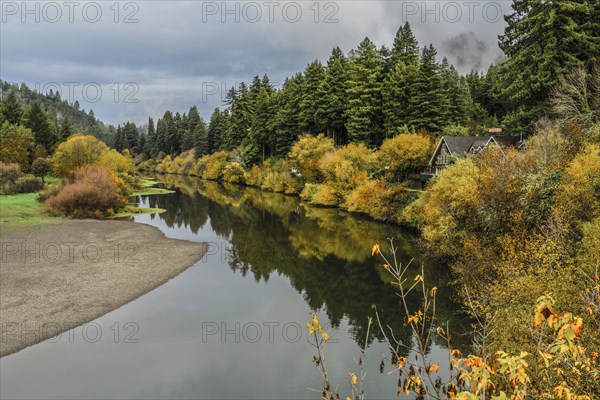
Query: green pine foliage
544,40
363,111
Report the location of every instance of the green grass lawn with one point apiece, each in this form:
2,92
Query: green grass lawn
20,208
24,208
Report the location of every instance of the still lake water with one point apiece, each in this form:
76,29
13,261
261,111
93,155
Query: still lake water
233,325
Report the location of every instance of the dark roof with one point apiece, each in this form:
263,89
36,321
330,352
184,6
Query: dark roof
480,143
458,145
507,140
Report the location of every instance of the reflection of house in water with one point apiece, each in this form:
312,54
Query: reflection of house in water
450,148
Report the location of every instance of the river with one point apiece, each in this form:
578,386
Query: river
234,324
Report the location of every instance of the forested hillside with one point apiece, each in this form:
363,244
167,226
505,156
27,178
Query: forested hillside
64,118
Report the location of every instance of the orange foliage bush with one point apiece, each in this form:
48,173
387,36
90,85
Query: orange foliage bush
93,193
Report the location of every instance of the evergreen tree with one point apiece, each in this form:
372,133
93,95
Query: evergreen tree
193,118
332,98
142,145
130,137
149,149
286,121
364,116
406,47
428,105
119,141
11,109
457,93
544,40
39,123
217,129
169,133
161,137
266,84
66,129
398,84
259,143
240,121
201,145
176,133
313,76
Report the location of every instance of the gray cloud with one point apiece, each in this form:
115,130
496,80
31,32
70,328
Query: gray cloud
178,48
466,51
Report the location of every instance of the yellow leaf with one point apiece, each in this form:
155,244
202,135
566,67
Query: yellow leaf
433,368
376,249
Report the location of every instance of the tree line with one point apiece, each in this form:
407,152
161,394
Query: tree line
375,93
366,96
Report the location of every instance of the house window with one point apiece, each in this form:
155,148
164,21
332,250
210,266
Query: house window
444,156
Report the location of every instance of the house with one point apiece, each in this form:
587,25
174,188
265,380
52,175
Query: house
451,147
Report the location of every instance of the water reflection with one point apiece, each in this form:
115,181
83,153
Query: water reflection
280,260
325,252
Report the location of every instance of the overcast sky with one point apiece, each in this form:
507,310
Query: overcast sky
131,60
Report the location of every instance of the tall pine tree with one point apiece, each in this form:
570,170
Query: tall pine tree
398,84
544,40
428,104
363,113
11,109
39,123
332,97
313,76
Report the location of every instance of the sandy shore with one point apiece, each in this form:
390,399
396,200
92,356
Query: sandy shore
57,275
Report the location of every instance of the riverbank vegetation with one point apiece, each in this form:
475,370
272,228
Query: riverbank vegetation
89,180
352,177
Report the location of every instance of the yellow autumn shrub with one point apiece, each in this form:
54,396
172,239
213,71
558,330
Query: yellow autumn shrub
164,164
323,194
234,173
215,164
375,199
347,167
77,151
306,153
447,207
255,175
404,153
578,195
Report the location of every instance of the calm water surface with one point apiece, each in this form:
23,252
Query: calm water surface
233,325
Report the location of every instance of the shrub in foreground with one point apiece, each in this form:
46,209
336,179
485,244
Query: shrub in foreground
87,197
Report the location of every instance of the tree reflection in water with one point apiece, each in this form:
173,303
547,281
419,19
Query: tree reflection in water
324,252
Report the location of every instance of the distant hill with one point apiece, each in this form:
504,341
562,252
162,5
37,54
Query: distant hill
58,109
